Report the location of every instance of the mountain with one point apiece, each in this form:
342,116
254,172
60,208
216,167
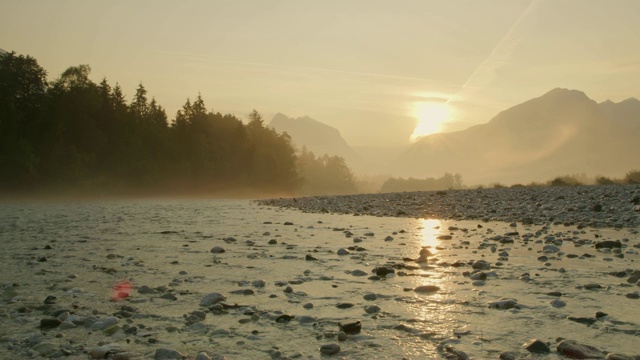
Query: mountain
624,113
561,132
2,52
318,137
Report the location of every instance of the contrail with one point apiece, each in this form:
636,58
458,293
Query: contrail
499,56
303,68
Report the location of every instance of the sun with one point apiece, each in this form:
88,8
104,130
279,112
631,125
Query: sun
431,116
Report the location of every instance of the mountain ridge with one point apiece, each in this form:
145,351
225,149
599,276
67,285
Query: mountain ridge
563,131
316,136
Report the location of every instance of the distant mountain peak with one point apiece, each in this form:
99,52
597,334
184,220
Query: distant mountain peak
565,94
281,120
316,136
630,100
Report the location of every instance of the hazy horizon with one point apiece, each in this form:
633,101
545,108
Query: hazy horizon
369,69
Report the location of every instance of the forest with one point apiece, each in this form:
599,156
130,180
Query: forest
72,135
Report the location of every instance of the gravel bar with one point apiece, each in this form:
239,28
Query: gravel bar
613,206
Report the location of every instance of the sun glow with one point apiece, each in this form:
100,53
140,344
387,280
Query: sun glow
431,116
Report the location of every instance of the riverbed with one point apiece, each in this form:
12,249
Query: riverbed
129,279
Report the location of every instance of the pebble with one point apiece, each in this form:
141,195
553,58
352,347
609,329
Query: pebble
167,354
575,350
370,297
217,250
426,289
504,304
330,349
557,303
212,298
359,273
351,328
101,352
102,324
537,346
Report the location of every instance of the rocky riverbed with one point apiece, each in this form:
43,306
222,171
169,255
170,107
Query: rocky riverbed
241,280
595,206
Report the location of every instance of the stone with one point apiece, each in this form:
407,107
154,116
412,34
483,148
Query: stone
203,356
509,355
370,297
284,318
479,276
330,349
346,305
351,328
592,286
50,323
343,251
167,354
574,350
481,265
582,320
359,273
455,354
104,351
426,289
212,298
504,304
105,323
550,249
372,309
612,356
536,346
144,289
217,250
608,244
168,296
383,271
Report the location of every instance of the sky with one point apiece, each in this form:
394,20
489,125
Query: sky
372,69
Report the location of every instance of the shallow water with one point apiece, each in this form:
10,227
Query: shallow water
167,243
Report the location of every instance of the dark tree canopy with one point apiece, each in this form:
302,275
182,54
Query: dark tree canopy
74,134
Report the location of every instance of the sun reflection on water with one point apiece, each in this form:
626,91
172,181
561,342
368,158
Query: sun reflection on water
430,229
434,314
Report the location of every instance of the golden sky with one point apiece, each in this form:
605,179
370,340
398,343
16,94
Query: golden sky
365,67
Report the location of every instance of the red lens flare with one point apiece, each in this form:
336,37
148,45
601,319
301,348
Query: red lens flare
120,291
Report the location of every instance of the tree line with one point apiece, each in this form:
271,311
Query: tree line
446,182
72,133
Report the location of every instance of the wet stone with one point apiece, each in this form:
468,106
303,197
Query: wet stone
359,273
167,354
330,349
582,320
575,350
370,297
372,309
351,328
426,289
50,323
168,296
217,250
536,346
504,304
